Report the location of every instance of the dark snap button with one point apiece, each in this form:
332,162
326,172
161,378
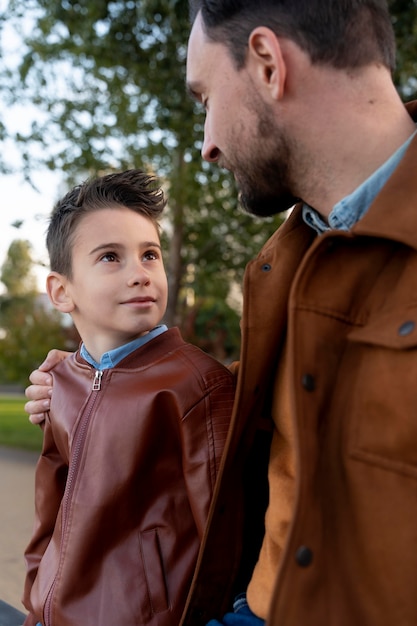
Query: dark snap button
308,382
304,556
406,328
266,267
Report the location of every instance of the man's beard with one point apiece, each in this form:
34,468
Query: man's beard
264,181
267,205
265,191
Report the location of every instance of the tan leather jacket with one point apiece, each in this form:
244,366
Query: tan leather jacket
347,304
124,484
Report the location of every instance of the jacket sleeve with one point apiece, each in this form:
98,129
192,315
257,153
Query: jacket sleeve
50,480
204,432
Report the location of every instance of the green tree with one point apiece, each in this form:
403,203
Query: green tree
28,326
109,79
17,270
404,17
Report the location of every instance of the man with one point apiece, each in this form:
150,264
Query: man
300,104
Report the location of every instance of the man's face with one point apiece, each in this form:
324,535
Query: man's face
240,132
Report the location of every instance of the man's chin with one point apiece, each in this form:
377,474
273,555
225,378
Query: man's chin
266,206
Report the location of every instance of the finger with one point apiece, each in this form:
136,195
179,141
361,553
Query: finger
39,392
41,379
53,358
37,418
34,407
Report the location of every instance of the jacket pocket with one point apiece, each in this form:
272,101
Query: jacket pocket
154,570
383,427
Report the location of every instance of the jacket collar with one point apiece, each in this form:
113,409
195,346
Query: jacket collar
270,276
393,213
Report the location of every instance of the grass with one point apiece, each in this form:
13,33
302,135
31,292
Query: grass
15,429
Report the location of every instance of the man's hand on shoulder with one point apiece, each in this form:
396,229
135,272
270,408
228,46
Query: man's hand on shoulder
40,391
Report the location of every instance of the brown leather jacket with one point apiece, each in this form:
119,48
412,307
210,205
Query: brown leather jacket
346,303
123,486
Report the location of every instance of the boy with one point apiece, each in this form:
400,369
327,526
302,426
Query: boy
137,424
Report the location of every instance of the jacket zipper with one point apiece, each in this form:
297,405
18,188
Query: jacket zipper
71,478
97,380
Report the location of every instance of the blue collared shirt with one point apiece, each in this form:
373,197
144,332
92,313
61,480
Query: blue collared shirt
113,357
352,208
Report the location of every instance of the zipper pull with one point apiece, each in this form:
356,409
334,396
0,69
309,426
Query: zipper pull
97,380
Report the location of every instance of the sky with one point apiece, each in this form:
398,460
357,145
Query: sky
19,201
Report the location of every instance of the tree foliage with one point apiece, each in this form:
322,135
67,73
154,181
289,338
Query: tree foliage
404,18
27,324
16,272
107,80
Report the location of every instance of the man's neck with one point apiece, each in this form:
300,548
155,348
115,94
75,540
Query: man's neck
353,129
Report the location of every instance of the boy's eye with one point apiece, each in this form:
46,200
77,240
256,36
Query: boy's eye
151,255
109,257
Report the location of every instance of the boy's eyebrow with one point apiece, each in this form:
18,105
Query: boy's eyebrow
143,244
151,244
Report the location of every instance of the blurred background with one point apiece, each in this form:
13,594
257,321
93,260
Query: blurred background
92,86
89,87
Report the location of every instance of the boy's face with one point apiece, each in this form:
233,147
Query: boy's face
118,290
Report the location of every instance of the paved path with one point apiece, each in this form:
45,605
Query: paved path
17,469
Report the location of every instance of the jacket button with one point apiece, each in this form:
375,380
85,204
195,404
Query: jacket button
406,328
266,267
308,382
304,556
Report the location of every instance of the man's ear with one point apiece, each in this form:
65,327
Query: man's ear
267,59
57,290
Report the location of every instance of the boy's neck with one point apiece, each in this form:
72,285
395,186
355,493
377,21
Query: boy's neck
103,359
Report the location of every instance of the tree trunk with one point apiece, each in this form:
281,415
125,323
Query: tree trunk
175,269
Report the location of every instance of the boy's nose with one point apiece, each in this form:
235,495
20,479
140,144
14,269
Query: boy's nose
139,276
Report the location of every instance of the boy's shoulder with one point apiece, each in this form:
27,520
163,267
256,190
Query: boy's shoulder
201,358
171,349
204,365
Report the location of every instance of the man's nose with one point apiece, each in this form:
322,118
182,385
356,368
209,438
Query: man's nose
210,152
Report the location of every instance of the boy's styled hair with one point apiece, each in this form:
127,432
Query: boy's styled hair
133,189
341,33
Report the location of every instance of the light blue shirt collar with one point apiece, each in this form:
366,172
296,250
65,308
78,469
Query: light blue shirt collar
352,208
113,357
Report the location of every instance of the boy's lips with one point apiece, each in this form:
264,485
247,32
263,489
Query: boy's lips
139,300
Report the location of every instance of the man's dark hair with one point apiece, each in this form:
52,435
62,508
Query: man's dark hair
342,33
132,189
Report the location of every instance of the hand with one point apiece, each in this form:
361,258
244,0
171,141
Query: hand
40,391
